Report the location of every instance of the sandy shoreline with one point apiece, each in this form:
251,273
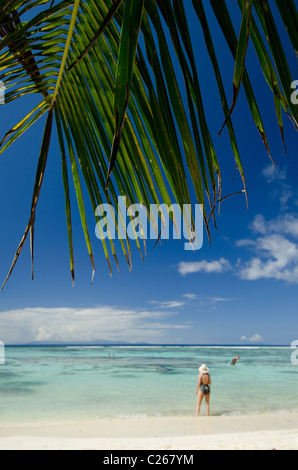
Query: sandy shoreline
253,432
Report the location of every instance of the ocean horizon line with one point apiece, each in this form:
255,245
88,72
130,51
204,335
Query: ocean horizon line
123,344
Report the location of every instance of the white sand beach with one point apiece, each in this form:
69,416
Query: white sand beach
253,432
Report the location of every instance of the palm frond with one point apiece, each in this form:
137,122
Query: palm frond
121,81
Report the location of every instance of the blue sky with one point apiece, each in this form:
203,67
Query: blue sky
241,289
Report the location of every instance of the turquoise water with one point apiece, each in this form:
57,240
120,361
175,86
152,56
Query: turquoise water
139,381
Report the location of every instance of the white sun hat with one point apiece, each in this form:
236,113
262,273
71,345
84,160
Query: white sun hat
204,369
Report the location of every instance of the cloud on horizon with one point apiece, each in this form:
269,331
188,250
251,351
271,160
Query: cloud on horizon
84,325
253,339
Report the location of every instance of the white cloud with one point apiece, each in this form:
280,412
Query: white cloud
85,325
217,266
190,296
222,299
259,224
280,190
169,304
276,250
285,224
278,260
272,173
253,339
275,253
284,196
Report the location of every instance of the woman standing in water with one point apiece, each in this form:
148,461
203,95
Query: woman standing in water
203,388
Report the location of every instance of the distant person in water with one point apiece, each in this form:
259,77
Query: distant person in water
203,389
234,361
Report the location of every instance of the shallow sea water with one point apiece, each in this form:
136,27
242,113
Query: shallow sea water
44,383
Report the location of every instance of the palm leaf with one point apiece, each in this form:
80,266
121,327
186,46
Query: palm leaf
36,192
244,36
122,82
